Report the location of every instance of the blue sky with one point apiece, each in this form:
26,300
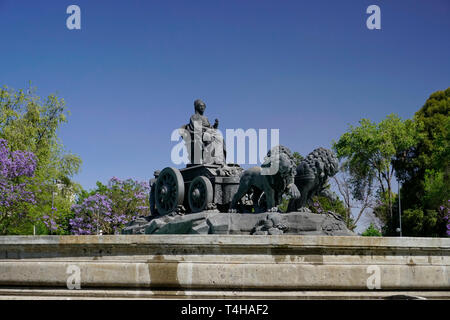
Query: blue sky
309,68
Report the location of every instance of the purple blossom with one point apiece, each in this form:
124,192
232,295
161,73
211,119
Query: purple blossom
318,207
16,164
15,169
123,201
50,220
445,210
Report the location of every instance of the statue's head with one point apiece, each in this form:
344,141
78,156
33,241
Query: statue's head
199,106
286,166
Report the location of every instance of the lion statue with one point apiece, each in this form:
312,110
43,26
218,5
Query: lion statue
274,178
312,177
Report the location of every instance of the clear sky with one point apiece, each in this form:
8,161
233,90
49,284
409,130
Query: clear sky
308,68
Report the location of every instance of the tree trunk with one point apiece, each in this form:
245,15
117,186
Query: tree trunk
389,196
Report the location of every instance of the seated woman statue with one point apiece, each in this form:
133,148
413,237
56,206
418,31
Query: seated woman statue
204,142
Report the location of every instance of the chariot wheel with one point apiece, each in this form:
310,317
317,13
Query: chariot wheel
200,194
169,190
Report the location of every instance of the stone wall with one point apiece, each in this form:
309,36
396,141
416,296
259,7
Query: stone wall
224,266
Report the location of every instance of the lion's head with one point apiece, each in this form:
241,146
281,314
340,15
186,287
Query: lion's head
280,162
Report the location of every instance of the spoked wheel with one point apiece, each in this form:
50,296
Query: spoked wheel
169,190
200,194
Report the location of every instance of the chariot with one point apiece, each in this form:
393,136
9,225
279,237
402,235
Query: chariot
194,188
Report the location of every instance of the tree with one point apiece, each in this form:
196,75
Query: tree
109,207
432,150
297,158
16,169
424,168
321,204
30,124
445,212
368,152
371,231
362,202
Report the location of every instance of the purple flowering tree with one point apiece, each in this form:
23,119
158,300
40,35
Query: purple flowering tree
445,210
109,208
15,170
93,215
50,220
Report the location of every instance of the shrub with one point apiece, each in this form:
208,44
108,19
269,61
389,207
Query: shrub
371,231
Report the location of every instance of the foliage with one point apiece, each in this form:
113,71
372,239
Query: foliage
371,231
436,188
297,158
419,223
424,168
368,152
365,199
30,124
95,214
283,206
445,213
434,122
322,204
431,151
16,169
109,208
50,220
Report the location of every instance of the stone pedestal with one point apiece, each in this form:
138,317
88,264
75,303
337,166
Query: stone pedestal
268,223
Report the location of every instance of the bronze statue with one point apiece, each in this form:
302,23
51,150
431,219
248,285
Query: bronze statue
272,185
204,142
312,177
208,188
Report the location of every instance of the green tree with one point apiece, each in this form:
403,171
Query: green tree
419,223
371,231
432,150
321,204
365,199
424,168
30,123
297,158
436,188
368,152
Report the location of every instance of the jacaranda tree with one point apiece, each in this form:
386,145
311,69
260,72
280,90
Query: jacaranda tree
110,207
16,169
30,123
